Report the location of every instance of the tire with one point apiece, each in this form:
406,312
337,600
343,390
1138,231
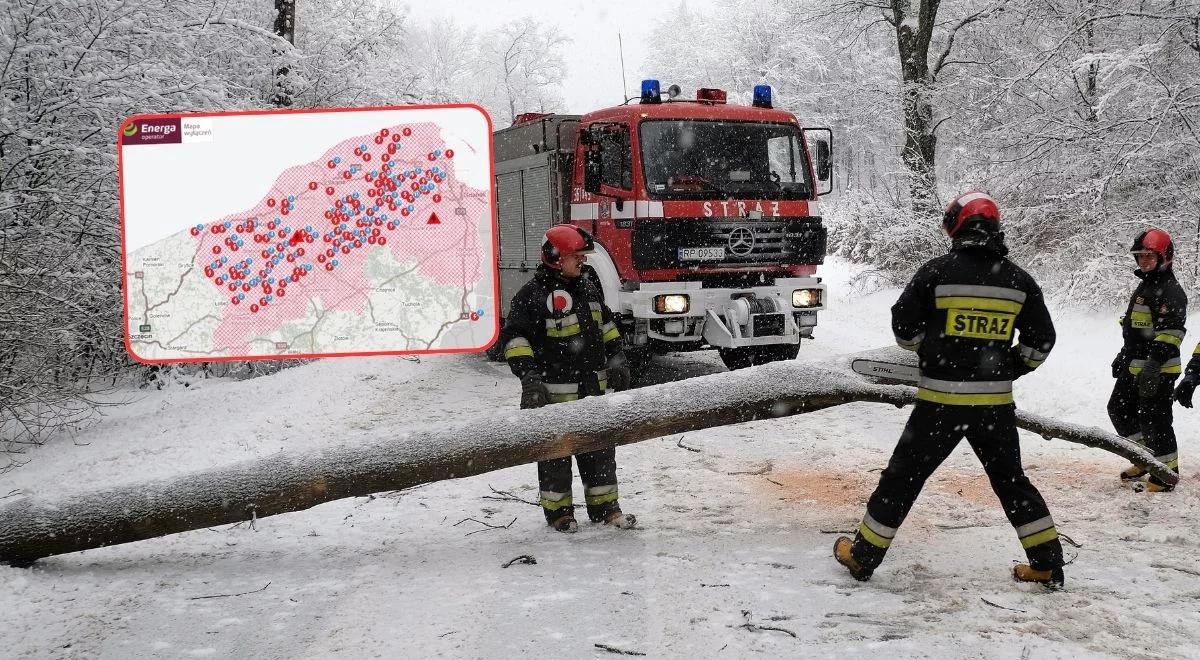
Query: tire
737,358
638,360
740,358
776,353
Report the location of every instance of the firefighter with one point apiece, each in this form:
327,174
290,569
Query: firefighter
1187,385
959,314
561,341
1148,364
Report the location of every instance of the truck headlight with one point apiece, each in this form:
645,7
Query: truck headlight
674,303
804,298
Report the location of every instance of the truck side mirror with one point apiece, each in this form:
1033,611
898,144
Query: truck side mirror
821,141
824,166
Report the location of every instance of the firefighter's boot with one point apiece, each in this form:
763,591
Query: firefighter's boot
1051,579
565,524
842,553
1152,485
621,520
1132,473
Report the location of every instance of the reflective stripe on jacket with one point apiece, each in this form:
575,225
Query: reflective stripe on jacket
1153,324
961,313
561,329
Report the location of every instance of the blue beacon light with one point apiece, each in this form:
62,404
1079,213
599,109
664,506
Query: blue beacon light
762,96
651,92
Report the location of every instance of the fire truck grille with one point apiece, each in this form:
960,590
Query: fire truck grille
693,242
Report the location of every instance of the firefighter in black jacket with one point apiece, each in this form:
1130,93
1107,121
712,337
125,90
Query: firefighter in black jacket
561,341
1146,367
1187,385
959,314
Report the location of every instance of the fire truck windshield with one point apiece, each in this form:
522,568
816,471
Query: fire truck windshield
695,159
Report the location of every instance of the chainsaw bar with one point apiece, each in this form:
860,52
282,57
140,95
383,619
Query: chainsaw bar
896,373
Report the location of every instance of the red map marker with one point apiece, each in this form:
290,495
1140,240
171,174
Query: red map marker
434,220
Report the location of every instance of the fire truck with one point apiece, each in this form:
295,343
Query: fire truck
705,215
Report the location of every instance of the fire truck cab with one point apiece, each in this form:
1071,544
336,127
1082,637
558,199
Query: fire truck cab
704,213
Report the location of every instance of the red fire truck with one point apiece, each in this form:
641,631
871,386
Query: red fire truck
704,212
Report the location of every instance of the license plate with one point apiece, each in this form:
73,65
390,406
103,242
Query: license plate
701,253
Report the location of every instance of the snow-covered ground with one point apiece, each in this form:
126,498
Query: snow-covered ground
734,558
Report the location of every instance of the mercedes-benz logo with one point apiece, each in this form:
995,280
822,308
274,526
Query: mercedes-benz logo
741,241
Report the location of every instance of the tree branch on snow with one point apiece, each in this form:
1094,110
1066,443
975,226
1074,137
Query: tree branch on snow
679,443
486,525
765,469
244,593
519,559
998,606
618,651
1188,571
754,627
506,496
387,459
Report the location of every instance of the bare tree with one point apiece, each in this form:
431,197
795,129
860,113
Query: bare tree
523,59
915,31
451,61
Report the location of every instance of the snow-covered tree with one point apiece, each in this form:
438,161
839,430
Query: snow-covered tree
451,61
514,68
523,67
1088,131
1081,116
70,72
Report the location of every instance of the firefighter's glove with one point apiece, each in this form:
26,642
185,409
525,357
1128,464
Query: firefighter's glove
1119,365
1147,379
533,391
1183,393
619,377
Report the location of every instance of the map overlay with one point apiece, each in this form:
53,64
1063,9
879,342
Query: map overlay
375,247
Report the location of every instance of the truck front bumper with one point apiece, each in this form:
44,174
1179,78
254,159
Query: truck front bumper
727,317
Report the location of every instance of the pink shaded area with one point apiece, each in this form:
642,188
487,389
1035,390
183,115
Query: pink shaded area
319,196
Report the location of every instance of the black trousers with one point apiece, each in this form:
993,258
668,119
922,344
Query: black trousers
1146,421
932,432
597,471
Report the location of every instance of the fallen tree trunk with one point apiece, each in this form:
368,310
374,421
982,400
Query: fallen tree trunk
33,527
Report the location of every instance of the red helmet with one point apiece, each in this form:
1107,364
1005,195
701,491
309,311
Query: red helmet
1157,242
562,240
973,205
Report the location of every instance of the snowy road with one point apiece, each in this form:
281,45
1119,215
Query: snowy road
733,560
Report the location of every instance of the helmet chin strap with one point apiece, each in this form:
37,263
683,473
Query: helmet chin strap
1161,264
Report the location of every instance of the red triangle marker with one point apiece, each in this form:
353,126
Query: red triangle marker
434,220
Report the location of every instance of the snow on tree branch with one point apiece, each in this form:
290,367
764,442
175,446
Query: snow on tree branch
393,459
